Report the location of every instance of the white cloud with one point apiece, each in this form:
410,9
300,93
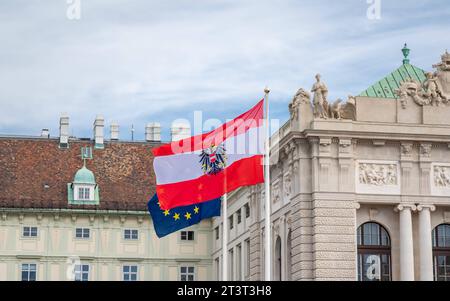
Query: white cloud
140,61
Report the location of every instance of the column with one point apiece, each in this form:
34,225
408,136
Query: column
406,242
426,246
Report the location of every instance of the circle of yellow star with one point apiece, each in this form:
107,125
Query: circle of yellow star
176,216
187,215
166,212
196,209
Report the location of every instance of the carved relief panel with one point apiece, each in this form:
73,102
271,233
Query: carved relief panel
440,179
377,177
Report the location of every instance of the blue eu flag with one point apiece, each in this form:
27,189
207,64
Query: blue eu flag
168,221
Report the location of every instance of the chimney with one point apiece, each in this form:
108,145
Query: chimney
45,133
114,128
99,124
64,131
180,131
153,131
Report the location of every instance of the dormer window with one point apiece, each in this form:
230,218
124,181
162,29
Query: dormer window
84,193
83,190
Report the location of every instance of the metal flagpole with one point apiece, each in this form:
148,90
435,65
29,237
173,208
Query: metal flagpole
224,237
267,228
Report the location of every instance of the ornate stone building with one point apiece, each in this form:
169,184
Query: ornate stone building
360,189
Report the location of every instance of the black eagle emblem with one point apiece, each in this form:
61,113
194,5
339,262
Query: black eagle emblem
213,159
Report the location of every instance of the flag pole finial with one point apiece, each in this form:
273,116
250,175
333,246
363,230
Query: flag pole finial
266,90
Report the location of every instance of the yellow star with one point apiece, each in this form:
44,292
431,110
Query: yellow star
166,212
187,215
176,216
196,209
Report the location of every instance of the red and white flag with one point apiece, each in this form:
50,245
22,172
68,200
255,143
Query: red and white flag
206,166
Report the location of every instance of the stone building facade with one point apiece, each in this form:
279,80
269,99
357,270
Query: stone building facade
359,190
62,219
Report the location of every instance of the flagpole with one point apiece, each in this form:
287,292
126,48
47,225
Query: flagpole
224,237
267,227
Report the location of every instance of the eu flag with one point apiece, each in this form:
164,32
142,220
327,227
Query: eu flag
168,221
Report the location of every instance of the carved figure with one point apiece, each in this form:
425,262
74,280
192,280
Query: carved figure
320,102
441,176
378,174
300,97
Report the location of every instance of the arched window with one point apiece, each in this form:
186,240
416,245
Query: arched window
374,253
441,252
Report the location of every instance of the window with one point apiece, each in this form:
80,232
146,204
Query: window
247,210
82,233
130,234
247,258
187,273
374,253
82,272
216,230
130,272
217,264
239,217
230,221
84,193
441,252
187,235
238,262
29,232
231,267
28,272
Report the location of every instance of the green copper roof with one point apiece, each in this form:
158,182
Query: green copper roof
386,87
84,176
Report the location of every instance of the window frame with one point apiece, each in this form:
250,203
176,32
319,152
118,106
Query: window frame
83,230
30,228
439,251
187,273
130,273
131,236
28,271
81,272
380,249
188,235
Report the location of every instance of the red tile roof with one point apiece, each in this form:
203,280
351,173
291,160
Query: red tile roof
34,173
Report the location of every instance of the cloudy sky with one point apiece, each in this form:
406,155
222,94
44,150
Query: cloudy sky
136,61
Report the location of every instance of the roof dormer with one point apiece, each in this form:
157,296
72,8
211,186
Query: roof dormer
83,190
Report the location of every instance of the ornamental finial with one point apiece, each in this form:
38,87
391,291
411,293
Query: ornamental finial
406,52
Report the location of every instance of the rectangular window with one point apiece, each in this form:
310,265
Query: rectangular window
82,233
29,232
239,217
247,210
84,193
238,262
130,234
187,235
247,260
130,272
217,232
28,272
187,273
231,259
230,221
82,272
217,269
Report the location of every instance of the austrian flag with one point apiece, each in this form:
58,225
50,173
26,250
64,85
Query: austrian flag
206,166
